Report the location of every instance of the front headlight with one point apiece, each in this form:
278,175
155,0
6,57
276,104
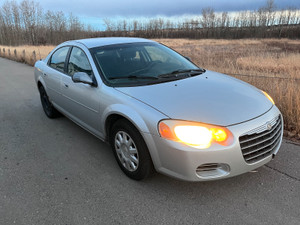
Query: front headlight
198,135
269,97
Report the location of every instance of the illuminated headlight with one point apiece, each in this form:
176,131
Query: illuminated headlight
198,135
269,97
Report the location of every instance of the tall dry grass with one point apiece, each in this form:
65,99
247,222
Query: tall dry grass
270,64
25,53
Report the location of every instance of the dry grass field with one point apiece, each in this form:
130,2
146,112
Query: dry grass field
268,57
270,64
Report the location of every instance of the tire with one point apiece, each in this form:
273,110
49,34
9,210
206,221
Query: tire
48,108
130,150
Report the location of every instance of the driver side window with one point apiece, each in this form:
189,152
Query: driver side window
79,62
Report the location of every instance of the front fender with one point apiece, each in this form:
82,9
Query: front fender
144,118
128,113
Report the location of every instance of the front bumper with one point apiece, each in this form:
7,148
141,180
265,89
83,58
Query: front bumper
183,162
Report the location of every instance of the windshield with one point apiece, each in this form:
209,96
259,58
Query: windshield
141,64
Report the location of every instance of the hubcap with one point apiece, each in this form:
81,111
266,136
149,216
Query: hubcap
126,151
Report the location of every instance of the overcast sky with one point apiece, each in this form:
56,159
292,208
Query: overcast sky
94,11
149,8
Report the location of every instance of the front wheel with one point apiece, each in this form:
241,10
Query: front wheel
48,108
130,150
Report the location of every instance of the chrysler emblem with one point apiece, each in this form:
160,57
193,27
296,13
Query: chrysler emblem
269,126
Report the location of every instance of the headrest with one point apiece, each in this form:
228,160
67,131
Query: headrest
128,53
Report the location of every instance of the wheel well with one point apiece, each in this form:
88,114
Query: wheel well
110,122
39,84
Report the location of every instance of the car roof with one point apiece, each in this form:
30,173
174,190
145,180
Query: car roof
98,42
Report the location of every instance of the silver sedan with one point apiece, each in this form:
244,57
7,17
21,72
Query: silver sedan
158,110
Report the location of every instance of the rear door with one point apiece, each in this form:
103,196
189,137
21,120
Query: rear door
81,101
53,74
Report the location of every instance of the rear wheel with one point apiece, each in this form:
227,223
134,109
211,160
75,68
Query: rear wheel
130,150
48,108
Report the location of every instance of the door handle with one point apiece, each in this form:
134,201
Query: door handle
44,74
66,85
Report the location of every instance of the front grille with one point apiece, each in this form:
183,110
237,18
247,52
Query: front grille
258,145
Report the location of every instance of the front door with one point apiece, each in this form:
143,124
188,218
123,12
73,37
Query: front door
81,101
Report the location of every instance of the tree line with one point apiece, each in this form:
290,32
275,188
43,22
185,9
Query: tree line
27,23
266,22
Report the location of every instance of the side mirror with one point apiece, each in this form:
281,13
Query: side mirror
81,77
188,58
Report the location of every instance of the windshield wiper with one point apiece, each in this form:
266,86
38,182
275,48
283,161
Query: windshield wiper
134,77
175,73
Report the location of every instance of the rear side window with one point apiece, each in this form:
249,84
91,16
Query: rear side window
58,59
79,62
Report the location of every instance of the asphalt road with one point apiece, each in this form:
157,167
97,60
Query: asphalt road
54,172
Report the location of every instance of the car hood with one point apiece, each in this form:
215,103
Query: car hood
212,98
